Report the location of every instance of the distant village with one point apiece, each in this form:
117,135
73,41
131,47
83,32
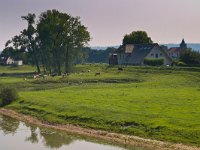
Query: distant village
130,54
136,54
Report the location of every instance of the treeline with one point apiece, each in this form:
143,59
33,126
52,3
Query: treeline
190,57
53,42
97,56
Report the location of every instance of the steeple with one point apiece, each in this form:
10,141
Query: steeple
183,45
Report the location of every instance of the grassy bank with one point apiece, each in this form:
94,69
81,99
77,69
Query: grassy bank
158,103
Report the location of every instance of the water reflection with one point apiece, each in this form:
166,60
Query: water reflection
26,136
49,138
8,126
55,140
33,138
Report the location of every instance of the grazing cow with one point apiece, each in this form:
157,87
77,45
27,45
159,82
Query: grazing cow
54,74
45,76
97,74
120,69
36,76
63,75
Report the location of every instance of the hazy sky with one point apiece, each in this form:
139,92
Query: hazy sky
166,21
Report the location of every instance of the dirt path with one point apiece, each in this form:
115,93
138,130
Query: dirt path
114,137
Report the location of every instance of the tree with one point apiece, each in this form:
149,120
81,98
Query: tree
190,57
30,39
15,49
137,37
26,43
62,36
8,52
55,42
97,56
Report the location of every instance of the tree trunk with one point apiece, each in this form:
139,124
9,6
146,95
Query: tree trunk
37,64
67,61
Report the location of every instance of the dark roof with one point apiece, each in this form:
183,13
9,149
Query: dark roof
183,41
140,51
174,49
183,44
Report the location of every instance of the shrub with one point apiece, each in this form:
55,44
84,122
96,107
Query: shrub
7,95
153,61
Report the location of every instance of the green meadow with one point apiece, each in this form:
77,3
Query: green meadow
151,102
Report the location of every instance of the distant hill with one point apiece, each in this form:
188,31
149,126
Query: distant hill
194,46
103,47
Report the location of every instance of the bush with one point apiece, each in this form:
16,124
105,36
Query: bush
153,61
7,95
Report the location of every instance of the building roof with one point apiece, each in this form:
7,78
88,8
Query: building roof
174,49
183,44
140,51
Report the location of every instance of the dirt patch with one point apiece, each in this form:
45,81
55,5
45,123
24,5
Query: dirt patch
114,137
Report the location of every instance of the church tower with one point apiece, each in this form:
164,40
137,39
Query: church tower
183,45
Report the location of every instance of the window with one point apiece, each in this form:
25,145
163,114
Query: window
152,54
160,54
156,55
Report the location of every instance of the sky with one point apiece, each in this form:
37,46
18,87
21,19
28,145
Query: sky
165,21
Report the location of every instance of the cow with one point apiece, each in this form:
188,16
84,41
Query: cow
97,74
120,69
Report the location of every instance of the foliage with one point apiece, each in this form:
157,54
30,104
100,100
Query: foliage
7,95
137,37
62,36
55,41
190,57
16,54
154,61
97,56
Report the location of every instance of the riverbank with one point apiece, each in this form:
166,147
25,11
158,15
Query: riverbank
104,135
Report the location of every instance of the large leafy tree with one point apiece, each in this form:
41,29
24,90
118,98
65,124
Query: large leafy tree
30,39
137,37
54,42
62,36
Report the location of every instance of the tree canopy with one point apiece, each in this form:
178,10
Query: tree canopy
190,57
55,41
62,37
137,37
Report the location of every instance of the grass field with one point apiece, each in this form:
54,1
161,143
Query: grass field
158,103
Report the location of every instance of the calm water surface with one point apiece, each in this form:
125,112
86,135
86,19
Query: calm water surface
16,135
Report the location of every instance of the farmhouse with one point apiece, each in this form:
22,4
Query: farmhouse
10,61
135,54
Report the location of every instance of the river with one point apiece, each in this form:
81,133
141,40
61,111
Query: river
17,135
